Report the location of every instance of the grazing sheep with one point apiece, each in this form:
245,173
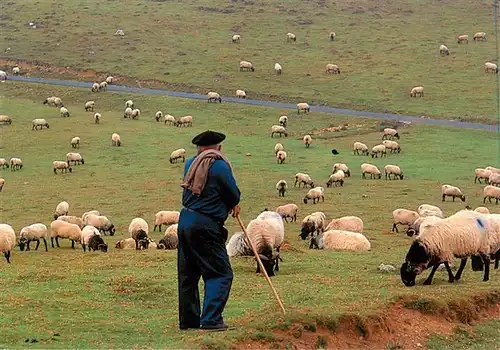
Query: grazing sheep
393,146
75,142
97,243
307,140
39,123
491,192
403,217
33,232
170,119
127,113
494,179
278,68
343,167
482,210
95,87
15,164
129,104
379,149
315,194
479,36
50,101
139,230
430,210
332,69
60,165
288,211
451,191
76,158
311,224
236,38
101,222
72,220
281,157
158,116
414,228
278,129
58,102
165,217
89,106
241,94
443,50
283,121
245,65
61,209
178,154
16,70
2,183
103,86
109,79
490,67
390,134
393,170
304,107
3,75
97,118
4,163
116,140
291,37
278,147
342,240
417,90
185,121
332,36
128,243
65,230
214,97
5,119
302,178
281,187
346,223
170,240
64,112
336,179
7,240
88,232
359,146
136,113
463,38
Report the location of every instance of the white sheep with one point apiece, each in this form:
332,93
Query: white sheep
7,240
278,129
103,86
291,37
491,192
278,147
332,69
315,194
311,224
39,123
494,179
2,183
16,70
288,211
170,119
58,102
490,67
97,118
336,178
214,97
390,133
417,90
95,87
88,232
283,121
332,36
414,228
281,157
72,220
60,165
127,113
278,68
116,140
403,217
303,107
245,65
301,178
463,38
50,101
241,94
139,231
170,240
343,167
346,223
379,149
128,243
61,209
394,170
479,36
359,146
371,169
129,104
393,146
482,174
65,230
185,121
3,75
342,240
307,139
109,79
236,38
76,158
451,191
75,142
15,164
64,112
238,245
178,154
89,106
5,119
443,50
87,213
493,169
158,116
101,222
281,187
430,210
165,217
135,113
33,232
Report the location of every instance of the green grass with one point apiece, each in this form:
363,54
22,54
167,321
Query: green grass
383,48
127,299
484,336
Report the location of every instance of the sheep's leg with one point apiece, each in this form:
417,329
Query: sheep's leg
443,197
497,261
136,244
7,256
45,243
57,243
486,260
258,268
428,281
460,269
72,244
453,198
285,219
83,246
394,228
52,241
451,278
37,244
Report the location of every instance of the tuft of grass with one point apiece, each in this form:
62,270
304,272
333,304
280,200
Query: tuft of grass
483,336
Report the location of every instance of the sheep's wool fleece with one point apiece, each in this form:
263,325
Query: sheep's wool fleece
267,229
237,245
345,240
7,238
346,223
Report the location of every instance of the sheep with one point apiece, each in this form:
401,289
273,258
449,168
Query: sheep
128,243
241,94
63,229
479,36
16,70
236,38
238,245
39,122
278,68
491,192
482,210
135,113
5,119
170,119
414,228
72,220
343,167
390,134
291,37
460,235
314,194
493,169
158,116
281,157
490,67
278,147
75,142
359,146
281,187
332,68
15,164
7,240
283,121
185,121
116,140
89,106
101,222
494,179
95,87
463,38
303,106
336,178
4,163
302,178
103,86
443,50
403,217
3,75
342,240
170,240
61,209
97,243
379,149
395,170
267,232
332,36
2,183
451,191
494,241
393,146
288,211
97,118
49,101
278,129
58,102
60,165
311,224
64,112
214,97
307,140
76,158
165,217
430,210
88,232
127,113
33,232
139,230
417,90
178,154
129,104
346,223
109,79
245,65
87,213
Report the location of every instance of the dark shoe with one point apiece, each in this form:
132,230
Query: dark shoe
185,328
215,327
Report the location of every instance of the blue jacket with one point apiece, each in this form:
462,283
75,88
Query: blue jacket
219,196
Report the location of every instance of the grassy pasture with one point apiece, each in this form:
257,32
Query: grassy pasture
127,299
383,48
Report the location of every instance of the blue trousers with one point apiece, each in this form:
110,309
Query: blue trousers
202,253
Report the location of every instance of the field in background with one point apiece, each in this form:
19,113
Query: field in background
383,49
126,299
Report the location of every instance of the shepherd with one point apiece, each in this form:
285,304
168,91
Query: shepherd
210,193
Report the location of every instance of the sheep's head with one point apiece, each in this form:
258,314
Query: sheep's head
22,242
379,176
410,232
407,275
270,263
112,230
305,200
417,260
462,197
307,228
56,216
118,245
103,247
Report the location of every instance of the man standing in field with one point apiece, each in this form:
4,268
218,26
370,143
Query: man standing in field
210,192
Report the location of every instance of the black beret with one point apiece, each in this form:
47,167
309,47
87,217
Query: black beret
208,138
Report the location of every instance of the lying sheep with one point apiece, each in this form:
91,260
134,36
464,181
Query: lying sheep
301,178
371,169
97,118
214,97
303,107
390,134
178,154
238,245
278,68
307,140
393,170
278,147
393,146
443,50
379,149
165,217
75,142
403,217
241,94
288,211
128,243
346,223
7,240
490,67
65,230
343,167
342,240
5,119
315,194
291,37
39,123
170,119
139,231
76,158
136,113
100,222
278,129
60,165
236,38
72,220
283,121
479,36
463,38
281,157
15,164
430,210
417,90
245,65
170,240
185,121
89,106
359,146
451,191
116,140
332,69
336,178
491,192
61,209
281,187
332,36
33,232
311,224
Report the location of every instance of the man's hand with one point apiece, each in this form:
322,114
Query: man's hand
236,211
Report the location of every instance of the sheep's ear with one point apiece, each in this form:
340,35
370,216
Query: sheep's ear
262,257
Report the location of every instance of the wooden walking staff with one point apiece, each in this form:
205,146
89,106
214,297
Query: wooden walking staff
262,268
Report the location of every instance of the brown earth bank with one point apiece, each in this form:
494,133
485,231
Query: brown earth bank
405,325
